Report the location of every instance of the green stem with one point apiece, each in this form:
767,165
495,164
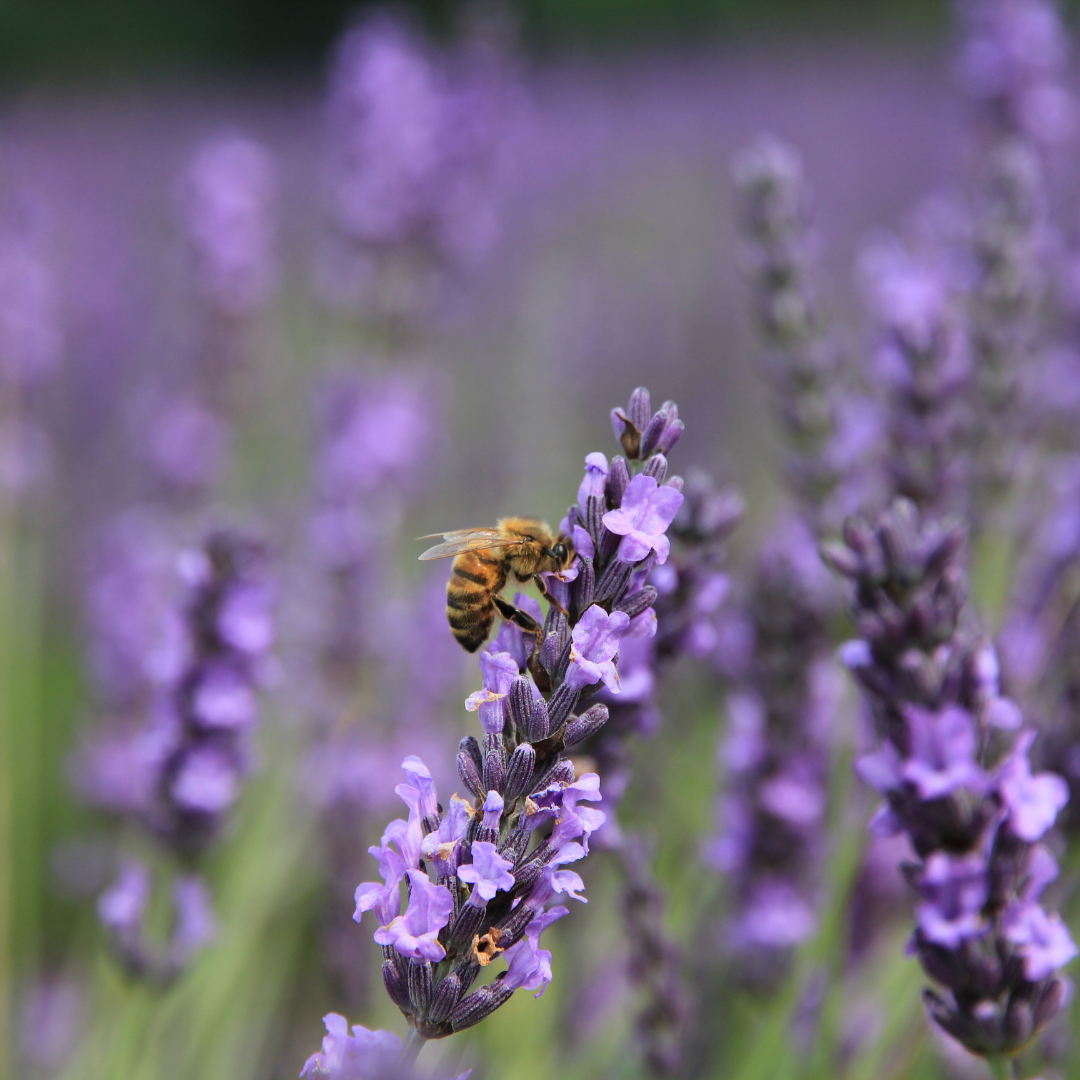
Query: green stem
1002,1068
414,1043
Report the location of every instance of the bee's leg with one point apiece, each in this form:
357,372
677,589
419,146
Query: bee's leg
546,594
517,616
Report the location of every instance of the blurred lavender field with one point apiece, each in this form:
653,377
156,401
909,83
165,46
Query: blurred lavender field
256,336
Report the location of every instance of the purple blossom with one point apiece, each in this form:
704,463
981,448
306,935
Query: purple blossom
487,873
206,781
195,922
121,907
942,755
415,934
362,1055
530,966
775,917
1042,939
954,889
1033,802
595,641
596,474
498,670
224,698
443,847
227,195
642,519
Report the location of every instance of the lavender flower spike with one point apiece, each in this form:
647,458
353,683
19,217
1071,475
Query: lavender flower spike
501,860
980,931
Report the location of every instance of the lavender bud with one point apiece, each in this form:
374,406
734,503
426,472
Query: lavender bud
609,544
472,748
639,408
515,845
673,428
520,701
519,771
469,773
513,925
549,655
494,771
540,722
562,772
617,482
594,515
421,984
649,436
1049,1005
395,986
613,582
676,482
582,727
656,467
636,603
840,558
479,1006
584,588
562,705
446,996
466,927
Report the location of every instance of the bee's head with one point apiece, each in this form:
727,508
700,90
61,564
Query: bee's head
561,552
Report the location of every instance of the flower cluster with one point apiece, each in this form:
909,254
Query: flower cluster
361,1055
776,752
499,857
419,157
1012,65
655,963
923,359
375,432
966,800
226,196
179,771
772,190
686,585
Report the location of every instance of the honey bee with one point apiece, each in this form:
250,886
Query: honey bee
483,560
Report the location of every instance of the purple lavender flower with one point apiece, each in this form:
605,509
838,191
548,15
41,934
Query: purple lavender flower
415,934
498,867
642,519
594,645
361,1055
419,158
776,750
122,911
924,360
226,196
978,872
1012,64
1032,802
488,872
499,670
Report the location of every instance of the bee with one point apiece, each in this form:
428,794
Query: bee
483,560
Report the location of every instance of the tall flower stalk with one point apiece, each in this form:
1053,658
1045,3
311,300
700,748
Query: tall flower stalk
954,771
178,766
481,872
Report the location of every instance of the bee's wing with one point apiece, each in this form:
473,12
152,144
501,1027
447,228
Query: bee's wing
462,540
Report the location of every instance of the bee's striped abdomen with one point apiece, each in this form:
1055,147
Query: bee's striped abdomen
469,607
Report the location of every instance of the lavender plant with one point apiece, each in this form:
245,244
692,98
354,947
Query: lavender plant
499,858
179,772
954,770
419,154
